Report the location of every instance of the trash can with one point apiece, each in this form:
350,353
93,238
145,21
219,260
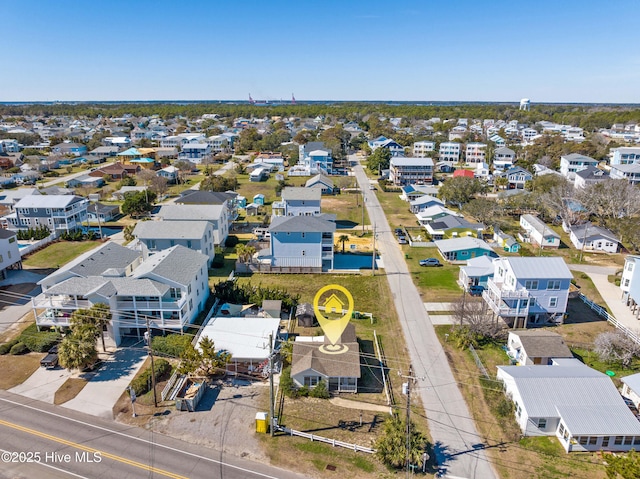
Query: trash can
406,256
261,422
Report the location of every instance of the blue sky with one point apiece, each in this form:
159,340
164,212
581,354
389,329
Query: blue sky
549,51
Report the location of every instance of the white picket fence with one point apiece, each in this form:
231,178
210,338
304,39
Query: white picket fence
37,244
333,442
605,314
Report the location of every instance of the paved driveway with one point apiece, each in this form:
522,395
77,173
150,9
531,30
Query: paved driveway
457,445
43,384
103,390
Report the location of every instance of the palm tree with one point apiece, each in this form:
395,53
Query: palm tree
241,250
343,239
249,252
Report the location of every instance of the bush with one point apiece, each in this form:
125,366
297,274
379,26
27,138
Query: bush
6,347
303,392
171,345
142,384
39,341
320,391
218,261
19,348
286,383
231,241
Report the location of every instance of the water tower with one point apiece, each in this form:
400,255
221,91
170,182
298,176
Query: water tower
525,104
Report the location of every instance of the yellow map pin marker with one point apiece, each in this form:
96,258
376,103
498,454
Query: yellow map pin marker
333,328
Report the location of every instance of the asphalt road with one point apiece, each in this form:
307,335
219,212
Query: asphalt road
458,446
40,440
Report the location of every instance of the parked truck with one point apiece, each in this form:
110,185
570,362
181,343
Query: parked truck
50,361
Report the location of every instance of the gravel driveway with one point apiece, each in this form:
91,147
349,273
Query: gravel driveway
224,419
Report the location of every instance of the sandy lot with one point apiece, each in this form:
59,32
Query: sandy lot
224,419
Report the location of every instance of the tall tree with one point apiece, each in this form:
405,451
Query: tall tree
137,203
460,190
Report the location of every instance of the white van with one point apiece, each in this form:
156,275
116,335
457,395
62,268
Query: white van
262,233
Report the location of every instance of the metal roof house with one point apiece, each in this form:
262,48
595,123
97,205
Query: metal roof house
589,237
538,233
462,249
577,404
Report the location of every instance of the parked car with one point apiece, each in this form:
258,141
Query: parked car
398,232
430,262
402,240
476,290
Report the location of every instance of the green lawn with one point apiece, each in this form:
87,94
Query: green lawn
434,284
58,254
396,210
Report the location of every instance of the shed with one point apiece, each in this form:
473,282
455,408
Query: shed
305,315
272,307
259,199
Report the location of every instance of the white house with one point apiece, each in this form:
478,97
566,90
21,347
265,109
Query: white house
195,152
629,172
9,252
630,281
574,162
449,152
168,289
517,178
217,215
298,201
476,272
589,237
536,346
422,148
155,236
9,146
527,291
538,233
577,404
589,176
424,202
475,153
631,388
625,155
503,158
405,171
302,242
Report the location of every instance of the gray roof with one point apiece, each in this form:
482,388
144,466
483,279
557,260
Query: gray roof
197,197
457,244
306,309
191,212
593,172
109,256
76,286
540,226
538,267
6,234
426,199
138,287
178,264
450,221
297,224
628,168
325,180
586,399
48,201
177,229
542,343
479,266
503,150
588,231
102,208
633,381
579,157
299,193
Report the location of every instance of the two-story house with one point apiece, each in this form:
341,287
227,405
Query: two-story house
219,144
156,236
629,172
589,176
227,199
517,178
449,152
527,291
59,213
298,201
625,155
538,233
574,162
405,171
503,158
630,282
195,152
314,158
302,241
475,153
217,215
423,148
9,252
165,291
69,148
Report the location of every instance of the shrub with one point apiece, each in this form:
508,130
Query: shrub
303,392
142,384
231,241
320,391
218,261
172,345
19,348
286,383
6,347
39,341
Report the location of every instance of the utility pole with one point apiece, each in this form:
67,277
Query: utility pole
153,369
410,378
373,258
363,200
271,395
584,239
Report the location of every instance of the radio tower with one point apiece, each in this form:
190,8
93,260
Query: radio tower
251,100
293,99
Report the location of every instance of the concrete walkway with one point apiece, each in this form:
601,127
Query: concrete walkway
43,384
612,295
105,388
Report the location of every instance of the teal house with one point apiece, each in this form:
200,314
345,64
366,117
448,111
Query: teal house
259,199
463,249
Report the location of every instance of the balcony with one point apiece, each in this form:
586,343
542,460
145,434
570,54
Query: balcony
61,302
506,303
153,305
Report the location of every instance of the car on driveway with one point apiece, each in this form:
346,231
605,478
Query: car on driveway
398,232
430,262
476,290
402,240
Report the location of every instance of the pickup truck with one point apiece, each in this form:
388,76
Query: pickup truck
50,361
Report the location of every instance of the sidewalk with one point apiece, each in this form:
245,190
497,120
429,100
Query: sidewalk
612,295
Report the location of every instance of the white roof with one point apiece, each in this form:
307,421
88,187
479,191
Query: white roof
191,212
479,266
457,244
47,201
538,267
402,161
243,337
435,210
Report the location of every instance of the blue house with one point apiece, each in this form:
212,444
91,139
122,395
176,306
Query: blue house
241,201
302,242
506,242
258,199
69,148
477,272
462,249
